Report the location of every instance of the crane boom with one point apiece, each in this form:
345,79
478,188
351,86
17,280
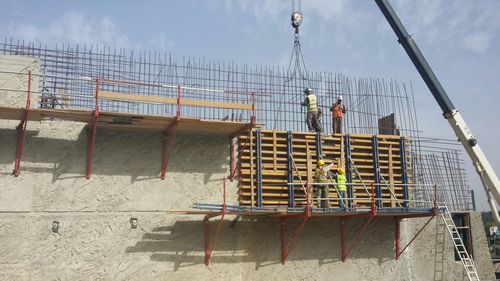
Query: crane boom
488,177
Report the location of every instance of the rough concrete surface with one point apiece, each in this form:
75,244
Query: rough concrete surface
14,86
96,241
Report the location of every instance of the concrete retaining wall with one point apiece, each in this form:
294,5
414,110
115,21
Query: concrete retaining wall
96,241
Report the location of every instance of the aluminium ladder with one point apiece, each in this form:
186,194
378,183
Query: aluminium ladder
467,261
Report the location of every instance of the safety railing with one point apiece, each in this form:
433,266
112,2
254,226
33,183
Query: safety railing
90,93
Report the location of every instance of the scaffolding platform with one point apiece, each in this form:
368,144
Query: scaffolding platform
315,212
119,120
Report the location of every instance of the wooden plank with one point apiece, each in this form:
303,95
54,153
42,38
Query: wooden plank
155,99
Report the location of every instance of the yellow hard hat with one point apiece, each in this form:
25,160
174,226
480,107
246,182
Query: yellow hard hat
321,162
341,171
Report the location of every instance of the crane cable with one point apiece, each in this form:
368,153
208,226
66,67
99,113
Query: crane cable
296,66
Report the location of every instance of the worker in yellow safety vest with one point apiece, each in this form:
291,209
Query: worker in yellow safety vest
341,180
322,189
312,110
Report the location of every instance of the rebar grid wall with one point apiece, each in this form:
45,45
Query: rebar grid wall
440,162
278,96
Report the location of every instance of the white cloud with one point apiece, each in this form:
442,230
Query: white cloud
73,27
478,42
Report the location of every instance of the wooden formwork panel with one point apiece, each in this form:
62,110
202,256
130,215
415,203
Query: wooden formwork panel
274,173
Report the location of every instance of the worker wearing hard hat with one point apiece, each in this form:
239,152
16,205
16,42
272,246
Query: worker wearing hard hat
341,180
322,189
319,116
338,111
312,110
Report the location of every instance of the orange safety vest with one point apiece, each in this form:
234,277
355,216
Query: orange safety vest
338,110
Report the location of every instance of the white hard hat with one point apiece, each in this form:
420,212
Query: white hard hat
340,98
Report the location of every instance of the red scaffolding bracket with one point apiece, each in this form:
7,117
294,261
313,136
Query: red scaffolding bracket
91,132
232,164
172,127
343,236
432,214
209,247
247,127
285,252
21,130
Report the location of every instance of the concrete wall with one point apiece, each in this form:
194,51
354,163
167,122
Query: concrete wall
13,87
96,242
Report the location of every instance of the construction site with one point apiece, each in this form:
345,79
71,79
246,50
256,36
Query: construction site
117,165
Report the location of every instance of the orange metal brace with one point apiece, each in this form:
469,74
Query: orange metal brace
433,213
91,131
343,239
209,247
21,130
306,215
171,127
247,127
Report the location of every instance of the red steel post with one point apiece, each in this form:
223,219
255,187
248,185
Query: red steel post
342,239
210,246
21,130
398,237
171,127
224,206
283,241
165,149
92,132
232,160
305,216
207,241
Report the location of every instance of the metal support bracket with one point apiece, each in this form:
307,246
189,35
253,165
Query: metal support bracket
210,245
346,251
397,224
91,132
286,249
172,127
432,214
232,161
21,130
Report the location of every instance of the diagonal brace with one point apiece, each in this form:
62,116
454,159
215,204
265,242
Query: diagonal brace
172,127
21,130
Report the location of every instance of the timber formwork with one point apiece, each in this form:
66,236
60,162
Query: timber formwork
274,166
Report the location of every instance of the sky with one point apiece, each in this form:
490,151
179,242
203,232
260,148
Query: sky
459,38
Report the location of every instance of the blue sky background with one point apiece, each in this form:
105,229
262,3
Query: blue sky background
460,39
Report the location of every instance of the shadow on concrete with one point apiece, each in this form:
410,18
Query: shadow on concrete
258,241
117,152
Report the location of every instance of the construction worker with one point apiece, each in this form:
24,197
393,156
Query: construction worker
319,127
312,110
338,111
341,179
321,176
